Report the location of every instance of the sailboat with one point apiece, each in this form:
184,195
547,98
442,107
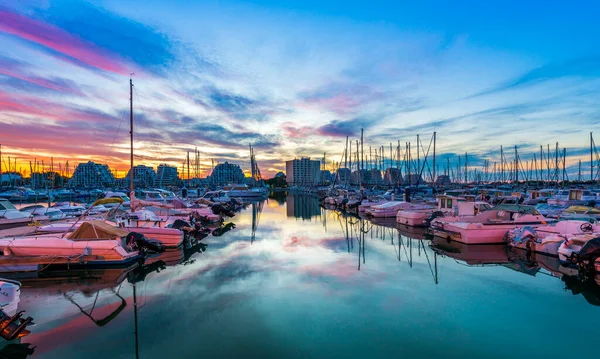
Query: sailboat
169,237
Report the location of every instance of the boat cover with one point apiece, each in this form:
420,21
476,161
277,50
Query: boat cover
96,229
582,210
517,208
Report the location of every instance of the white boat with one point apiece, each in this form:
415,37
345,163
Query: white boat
242,191
216,197
10,293
572,245
488,227
548,239
70,210
126,201
388,209
572,196
10,217
421,215
94,242
40,212
368,203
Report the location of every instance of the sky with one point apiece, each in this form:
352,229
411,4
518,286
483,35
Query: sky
294,79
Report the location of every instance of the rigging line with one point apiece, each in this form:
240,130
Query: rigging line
111,148
148,127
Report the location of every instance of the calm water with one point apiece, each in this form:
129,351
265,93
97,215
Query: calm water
296,281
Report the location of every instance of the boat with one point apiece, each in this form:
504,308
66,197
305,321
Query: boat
368,203
11,217
215,197
488,227
39,212
547,239
92,243
70,210
242,191
388,209
422,215
571,250
572,196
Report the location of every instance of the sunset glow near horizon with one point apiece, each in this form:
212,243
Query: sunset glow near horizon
294,79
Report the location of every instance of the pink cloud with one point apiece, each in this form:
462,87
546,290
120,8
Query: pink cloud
58,40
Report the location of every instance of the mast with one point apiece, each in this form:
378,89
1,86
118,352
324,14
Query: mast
433,176
516,166
591,158
0,165
131,188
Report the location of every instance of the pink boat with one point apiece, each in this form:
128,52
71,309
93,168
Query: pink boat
93,239
488,227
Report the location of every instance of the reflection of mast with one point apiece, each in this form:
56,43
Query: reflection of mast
135,321
256,210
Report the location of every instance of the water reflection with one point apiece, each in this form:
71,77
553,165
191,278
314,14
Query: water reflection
303,206
330,283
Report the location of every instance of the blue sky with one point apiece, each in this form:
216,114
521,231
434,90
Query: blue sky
294,78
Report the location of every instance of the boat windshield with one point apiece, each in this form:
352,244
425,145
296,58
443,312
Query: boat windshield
6,205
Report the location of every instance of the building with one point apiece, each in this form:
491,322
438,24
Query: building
359,177
92,175
302,172
302,207
343,175
325,177
373,177
392,176
143,176
11,178
443,180
226,173
165,176
412,180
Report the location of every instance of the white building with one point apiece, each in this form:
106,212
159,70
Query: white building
165,176
143,176
303,172
92,175
226,173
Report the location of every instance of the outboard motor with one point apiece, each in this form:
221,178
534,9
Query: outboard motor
179,224
138,240
587,255
355,204
434,215
14,327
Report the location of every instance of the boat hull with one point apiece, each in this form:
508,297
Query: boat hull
169,237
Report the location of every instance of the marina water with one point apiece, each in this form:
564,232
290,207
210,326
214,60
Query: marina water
294,280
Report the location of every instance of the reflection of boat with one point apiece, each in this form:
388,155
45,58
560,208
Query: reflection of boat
83,280
588,288
413,232
472,255
384,222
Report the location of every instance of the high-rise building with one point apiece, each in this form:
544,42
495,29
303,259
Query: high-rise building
343,175
226,173
92,175
302,172
143,176
165,176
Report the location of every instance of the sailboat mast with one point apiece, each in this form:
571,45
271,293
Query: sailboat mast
131,188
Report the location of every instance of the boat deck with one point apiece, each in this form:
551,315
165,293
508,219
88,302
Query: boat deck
17,231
